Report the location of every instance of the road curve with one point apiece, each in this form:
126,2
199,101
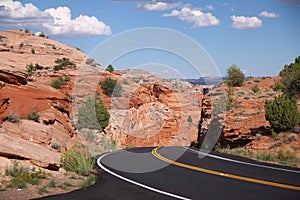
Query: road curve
183,173
179,172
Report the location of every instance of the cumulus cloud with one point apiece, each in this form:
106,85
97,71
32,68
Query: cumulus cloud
245,23
14,13
266,14
156,6
63,25
194,16
53,21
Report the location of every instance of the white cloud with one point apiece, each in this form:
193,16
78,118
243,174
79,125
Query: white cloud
245,23
194,16
156,6
53,21
209,7
266,14
14,13
63,25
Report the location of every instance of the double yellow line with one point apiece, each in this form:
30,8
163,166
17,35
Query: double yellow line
243,178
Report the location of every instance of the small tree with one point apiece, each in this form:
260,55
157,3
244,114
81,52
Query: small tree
110,68
57,83
111,87
291,78
93,115
282,113
235,77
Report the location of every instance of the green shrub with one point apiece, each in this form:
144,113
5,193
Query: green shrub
189,119
32,68
89,61
33,51
78,160
282,113
27,30
110,68
235,77
52,184
93,115
57,67
278,86
229,98
21,176
42,34
255,88
57,83
67,78
13,117
62,62
291,78
111,87
90,181
34,116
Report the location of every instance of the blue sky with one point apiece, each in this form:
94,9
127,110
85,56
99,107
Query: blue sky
260,36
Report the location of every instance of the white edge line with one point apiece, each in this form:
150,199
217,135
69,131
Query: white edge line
136,183
241,162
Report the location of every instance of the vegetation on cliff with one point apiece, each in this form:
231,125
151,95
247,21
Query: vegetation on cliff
93,114
291,78
235,77
111,87
282,113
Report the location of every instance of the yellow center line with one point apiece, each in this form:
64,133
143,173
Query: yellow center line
243,178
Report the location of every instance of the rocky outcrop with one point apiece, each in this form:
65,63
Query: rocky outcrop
14,147
21,95
13,76
156,115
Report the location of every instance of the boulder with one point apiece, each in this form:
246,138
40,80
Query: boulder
16,147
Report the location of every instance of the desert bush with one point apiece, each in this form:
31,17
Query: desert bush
93,114
235,77
33,51
282,113
291,78
278,86
189,119
255,88
27,30
90,181
42,34
21,176
62,62
67,78
57,83
32,68
110,68
13,117
89,61
78,160
34,116
111,87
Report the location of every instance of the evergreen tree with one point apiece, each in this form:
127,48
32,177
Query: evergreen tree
235,77
282,113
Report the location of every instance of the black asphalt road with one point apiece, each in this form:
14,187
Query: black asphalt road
141,166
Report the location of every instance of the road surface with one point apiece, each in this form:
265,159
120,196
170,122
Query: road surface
183,173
